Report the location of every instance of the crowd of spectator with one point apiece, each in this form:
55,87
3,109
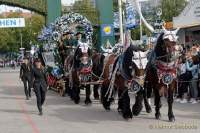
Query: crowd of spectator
188,89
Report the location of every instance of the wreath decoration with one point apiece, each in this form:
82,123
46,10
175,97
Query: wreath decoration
67,23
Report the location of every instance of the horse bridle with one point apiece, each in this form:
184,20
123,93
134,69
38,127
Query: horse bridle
140,59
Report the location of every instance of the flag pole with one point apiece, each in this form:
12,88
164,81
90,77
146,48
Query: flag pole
121,22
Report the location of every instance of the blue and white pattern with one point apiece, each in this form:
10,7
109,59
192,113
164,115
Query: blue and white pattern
66,23
46,33
130,19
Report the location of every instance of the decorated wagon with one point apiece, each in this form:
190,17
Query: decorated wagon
58,67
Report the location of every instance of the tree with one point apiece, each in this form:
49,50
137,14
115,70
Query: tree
172,8
87,9
10,37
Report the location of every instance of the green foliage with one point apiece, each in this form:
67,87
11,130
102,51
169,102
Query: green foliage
85,8
38,6
172,8
10,37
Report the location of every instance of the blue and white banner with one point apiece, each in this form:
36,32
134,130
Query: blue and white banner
12,22
130,19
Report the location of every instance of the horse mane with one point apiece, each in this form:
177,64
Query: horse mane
160,48
127,60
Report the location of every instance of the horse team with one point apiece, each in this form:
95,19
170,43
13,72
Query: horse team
135,71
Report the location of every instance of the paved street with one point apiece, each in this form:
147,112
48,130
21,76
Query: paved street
62,116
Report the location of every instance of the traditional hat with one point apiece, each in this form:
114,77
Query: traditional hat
37,60
78,33
67,33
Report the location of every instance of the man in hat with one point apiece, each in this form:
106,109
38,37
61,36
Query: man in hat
25,76
40,83
64,46
67,39
78,38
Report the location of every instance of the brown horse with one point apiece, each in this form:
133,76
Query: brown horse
122,74
97,69
161,71
67,74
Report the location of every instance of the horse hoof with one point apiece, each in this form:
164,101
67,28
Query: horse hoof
172,119
136,109
127,116
77,100
88,101
148,110
158,116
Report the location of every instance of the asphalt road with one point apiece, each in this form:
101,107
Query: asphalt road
61,115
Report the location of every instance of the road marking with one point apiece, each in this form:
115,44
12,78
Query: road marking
24,111
27,116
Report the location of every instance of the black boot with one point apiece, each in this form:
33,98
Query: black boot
40,113
27,98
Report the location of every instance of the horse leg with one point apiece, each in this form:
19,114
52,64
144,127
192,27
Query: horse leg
75,88
104,97
95,91
137,107
67,88
126,111
88,92
170,103
157,103
145,93
120,105
76,94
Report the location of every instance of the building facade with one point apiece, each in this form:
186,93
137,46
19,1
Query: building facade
189,22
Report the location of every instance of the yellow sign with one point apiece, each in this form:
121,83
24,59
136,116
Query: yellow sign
107,29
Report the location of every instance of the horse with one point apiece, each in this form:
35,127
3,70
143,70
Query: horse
123,73
161,71
97,69
67,74
99,60
81,72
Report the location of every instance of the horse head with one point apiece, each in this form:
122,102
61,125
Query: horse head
84,53
83,59
170,39
135,60
166,45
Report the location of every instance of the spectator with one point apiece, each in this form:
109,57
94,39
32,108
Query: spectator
192,65
183,84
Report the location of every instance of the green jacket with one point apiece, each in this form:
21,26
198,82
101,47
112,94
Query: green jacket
67,42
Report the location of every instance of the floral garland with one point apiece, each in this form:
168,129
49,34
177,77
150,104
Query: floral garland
64,24
46,33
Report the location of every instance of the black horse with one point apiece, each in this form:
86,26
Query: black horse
161,71
97,69
127,75
81,72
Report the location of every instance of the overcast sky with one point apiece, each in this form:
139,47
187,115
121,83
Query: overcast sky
67,2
